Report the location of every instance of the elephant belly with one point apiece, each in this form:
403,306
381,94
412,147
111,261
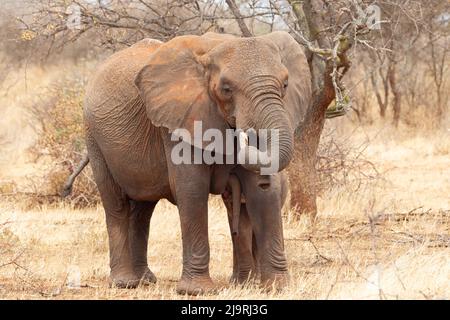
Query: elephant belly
143,182
134,153
140,171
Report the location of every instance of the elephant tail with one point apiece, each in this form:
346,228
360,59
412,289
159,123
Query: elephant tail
67,189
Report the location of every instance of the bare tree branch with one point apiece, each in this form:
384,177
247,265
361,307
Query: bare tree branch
240,21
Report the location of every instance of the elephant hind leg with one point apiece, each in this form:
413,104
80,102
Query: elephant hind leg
117,212
141,213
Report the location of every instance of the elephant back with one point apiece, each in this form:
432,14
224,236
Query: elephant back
112,85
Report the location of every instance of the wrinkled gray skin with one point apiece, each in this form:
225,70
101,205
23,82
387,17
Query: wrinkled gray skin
141,94
259,198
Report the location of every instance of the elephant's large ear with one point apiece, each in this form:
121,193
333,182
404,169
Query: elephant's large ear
298,95
174,86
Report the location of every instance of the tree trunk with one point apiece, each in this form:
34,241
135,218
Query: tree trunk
303,167
392,76
304,191
383,102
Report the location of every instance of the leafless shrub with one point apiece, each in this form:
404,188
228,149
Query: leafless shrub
10,251
61,139
340,163
11,46
117,23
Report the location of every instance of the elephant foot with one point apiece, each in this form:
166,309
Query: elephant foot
243,277
196,286
146,275
125,280
274,281
124,283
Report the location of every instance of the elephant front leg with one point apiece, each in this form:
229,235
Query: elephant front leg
190,186
195,278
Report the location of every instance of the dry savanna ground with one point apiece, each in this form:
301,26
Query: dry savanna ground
389,239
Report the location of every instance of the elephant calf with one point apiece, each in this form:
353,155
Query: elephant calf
141,95
246,197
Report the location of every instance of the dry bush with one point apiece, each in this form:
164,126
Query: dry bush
342,163
13,47
10,247
61,138
117,23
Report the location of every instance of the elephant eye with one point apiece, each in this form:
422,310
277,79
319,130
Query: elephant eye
285,84
226,89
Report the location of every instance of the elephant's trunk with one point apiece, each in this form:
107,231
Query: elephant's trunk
271,116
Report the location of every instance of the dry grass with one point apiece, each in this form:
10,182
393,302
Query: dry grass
390,240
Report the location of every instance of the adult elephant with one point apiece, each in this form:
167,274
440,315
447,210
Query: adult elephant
142,94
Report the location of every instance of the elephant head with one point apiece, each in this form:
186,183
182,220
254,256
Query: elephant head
228,82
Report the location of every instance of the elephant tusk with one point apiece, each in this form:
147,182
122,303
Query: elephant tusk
243,140
263,159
